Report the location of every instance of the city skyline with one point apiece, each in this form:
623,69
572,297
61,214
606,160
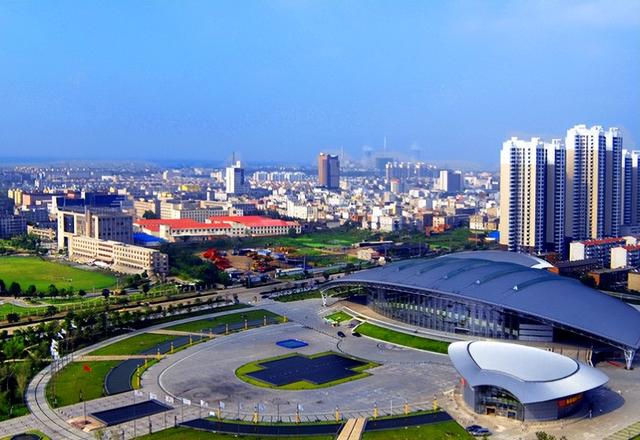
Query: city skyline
413,74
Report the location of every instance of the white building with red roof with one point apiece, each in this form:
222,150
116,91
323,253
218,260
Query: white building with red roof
231,226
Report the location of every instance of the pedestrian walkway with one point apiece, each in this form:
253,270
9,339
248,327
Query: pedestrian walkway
163,331
627,433
353,429
114,357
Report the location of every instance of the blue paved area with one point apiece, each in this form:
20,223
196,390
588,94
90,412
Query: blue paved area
127,413
118,380
399,422
292,343
272,430
296,368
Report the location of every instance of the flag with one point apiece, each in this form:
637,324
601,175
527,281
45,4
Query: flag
63,331
73,325
186,401
138,393
204,404
300,408
221,404
153,396
87,368
60,335
168,399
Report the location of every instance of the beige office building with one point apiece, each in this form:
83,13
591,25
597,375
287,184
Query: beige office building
102,223
119,256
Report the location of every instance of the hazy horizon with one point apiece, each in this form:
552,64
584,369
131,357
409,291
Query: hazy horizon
283,80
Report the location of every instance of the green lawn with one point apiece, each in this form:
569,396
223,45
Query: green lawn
338,317
437,431
192,434
234,318
299,296
10,308
41,273
73,378
251,367
133,345
398,338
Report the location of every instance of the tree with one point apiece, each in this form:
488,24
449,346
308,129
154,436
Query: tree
14,289
292,232
13,317
106,293
145,288
148,214
52,290
82,292
541,435
3,287
50,311
31,290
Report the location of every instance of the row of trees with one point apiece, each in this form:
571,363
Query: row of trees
15,289
26,352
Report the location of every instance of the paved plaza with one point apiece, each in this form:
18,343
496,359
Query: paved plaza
206,372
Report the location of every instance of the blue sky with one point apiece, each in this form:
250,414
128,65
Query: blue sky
283,80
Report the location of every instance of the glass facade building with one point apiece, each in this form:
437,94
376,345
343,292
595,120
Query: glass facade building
454,315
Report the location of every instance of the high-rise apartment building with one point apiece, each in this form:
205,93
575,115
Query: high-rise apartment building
450,181
630,188
552,194
529,194
328,171
585,182
235,183
613,183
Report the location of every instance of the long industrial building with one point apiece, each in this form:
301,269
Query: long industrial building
499,295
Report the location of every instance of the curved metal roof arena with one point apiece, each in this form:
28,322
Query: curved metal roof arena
509,280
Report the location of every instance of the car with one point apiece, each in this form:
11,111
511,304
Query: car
482,432
472,428
342,335
356,334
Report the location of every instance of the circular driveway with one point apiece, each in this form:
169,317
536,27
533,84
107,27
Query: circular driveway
207,372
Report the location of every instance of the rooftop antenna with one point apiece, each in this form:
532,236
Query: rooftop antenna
342,153
384,144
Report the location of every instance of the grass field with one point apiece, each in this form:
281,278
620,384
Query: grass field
10,308
437,431
192,434
133,345
251,367
339,317
398,338
41,273
234,318
73,378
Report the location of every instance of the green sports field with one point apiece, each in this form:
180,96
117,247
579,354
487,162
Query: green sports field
42,273
73,380
399,338
132,345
